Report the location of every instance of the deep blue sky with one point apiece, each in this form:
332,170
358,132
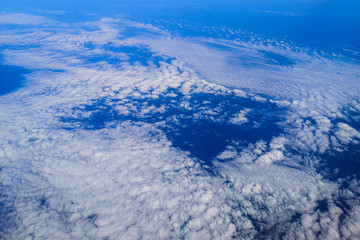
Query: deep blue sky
315,23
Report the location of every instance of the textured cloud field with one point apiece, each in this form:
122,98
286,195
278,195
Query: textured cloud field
125,131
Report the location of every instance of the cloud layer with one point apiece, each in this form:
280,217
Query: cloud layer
127,179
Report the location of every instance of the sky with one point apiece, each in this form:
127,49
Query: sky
312,22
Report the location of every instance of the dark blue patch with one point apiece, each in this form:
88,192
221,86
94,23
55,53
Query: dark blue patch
277,59
43,202
92,219
344,164
203,134
322,206
11,78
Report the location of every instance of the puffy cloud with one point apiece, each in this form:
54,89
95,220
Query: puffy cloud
346,134
272,156
240,117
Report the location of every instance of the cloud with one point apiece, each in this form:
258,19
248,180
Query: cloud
24,19
240,117
272,156
127,180
314,81
346,134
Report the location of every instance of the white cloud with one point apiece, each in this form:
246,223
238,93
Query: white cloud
272,156
24,19
346,134
240,117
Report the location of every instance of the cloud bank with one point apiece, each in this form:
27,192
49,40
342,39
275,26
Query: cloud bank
126,179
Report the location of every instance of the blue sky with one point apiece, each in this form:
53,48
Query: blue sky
328,24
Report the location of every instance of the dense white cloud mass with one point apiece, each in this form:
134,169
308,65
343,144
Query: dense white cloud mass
127,179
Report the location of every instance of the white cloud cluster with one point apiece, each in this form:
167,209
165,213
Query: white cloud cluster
127,181
346,134
116,183
260,152
240,117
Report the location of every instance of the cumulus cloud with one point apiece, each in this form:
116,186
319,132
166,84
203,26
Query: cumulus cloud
240,117
272,156
346,134
114,186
